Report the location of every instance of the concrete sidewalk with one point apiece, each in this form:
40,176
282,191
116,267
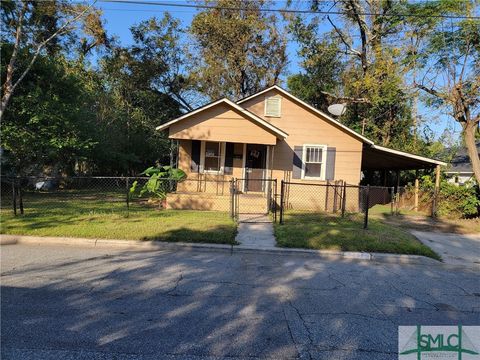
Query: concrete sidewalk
255,232
455,249
137,245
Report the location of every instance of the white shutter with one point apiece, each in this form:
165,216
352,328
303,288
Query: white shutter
272,106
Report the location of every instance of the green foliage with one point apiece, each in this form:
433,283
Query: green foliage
158,184
237,53
387,115
321,64
366,75
50,120
453,201
136,94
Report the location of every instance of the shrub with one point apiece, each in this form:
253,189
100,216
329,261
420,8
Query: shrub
453,201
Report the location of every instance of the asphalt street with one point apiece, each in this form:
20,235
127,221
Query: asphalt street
67,302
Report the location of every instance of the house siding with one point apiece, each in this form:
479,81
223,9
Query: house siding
305,127
221,123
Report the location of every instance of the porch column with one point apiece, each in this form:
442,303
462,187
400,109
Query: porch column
436,191
272,153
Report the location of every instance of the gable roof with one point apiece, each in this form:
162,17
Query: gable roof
256,119
461,163
310,107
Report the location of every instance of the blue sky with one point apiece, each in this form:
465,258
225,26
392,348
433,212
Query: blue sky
120,17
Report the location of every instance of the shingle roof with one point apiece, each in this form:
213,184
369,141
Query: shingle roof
461,161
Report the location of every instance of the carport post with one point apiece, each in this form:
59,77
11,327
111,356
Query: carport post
416,191
436,191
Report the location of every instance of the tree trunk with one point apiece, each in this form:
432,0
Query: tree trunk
469,136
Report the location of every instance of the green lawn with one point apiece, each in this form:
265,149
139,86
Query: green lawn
331,232
86,215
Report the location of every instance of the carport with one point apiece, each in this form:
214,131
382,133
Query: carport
379,158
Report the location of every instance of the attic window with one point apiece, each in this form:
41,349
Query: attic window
273,106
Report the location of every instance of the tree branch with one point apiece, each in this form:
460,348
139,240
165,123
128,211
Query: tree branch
7,94
347,98
431,91
7,87
343,38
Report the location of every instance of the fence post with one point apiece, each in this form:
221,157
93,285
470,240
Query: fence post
392,201
127,189
232,198
275,201
282,195
326,195
344,200
335,193
14,197
20,196
367,200
397,202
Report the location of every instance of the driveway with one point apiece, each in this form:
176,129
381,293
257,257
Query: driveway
92,303
454,249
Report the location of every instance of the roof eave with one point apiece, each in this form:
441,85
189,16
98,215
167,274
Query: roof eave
412,156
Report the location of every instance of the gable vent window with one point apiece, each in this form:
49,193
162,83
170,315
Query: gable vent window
273,106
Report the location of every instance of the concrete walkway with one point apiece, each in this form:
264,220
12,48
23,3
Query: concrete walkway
255,231
455,249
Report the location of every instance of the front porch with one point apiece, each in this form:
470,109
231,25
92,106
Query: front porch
209,165
214,192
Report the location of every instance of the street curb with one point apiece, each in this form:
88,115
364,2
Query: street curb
159,245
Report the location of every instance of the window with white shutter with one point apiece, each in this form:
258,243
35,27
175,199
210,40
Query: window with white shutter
273,106
314,157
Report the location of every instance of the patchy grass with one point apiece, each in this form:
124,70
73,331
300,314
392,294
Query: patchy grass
421,220
92,217
331,232
386,210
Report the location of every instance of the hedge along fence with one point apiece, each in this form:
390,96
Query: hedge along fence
453,201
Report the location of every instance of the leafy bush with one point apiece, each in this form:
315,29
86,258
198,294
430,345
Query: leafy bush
453,201
158,184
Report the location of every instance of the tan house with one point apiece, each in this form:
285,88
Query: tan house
274,135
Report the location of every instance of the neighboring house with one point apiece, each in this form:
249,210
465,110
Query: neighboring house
274,135
460,170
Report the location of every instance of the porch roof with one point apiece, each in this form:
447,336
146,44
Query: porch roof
375,157
223,120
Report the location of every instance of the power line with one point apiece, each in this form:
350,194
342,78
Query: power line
235,8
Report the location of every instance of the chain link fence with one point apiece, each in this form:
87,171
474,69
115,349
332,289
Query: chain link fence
335,200
112,194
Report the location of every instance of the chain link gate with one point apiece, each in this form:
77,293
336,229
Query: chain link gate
262,201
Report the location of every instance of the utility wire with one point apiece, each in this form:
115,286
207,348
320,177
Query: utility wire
235,8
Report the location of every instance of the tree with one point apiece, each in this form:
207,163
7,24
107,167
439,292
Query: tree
358,68
36,27
237,52
140,88
48,126
450,61
321,64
